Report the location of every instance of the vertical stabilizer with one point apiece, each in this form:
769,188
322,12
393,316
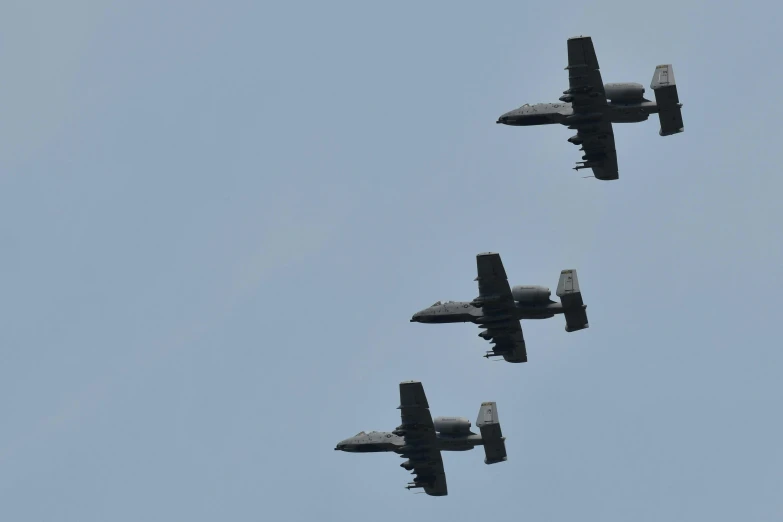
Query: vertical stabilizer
494,442
668,102
571,298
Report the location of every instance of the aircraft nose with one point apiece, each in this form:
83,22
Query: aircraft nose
508,117
346,444
416,317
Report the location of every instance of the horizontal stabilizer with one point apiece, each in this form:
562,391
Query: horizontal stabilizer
665,89
494,442
571,298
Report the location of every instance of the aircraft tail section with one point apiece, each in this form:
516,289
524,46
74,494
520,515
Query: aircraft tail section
668,102
494,441
571,298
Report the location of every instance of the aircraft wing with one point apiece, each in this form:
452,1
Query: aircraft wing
495,298
506,336
494,291
597,140
421,440
430,474
584,77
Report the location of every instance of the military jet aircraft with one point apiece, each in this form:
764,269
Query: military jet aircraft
499,308
420,439
590,108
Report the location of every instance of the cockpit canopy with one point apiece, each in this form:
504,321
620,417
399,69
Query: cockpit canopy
440,303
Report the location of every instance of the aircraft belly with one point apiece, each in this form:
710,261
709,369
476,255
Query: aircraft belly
449,444
539,312
579,119
373,448
629,113
451,318
538,119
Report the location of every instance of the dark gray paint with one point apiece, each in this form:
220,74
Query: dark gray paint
420,439
590,107
499,308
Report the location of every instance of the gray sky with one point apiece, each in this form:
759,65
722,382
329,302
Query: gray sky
217,219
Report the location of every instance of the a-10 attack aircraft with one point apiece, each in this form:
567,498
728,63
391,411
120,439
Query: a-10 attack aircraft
590,108
420,439
499,308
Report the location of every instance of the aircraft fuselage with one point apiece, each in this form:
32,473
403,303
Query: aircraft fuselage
380,441
564,114
463,312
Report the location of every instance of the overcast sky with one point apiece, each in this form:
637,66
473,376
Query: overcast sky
218,217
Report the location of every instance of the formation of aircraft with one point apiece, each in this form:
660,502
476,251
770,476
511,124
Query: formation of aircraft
590,107
499,308
419,438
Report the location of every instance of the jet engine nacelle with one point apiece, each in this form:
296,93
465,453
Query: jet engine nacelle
624,92
452,425
531,294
